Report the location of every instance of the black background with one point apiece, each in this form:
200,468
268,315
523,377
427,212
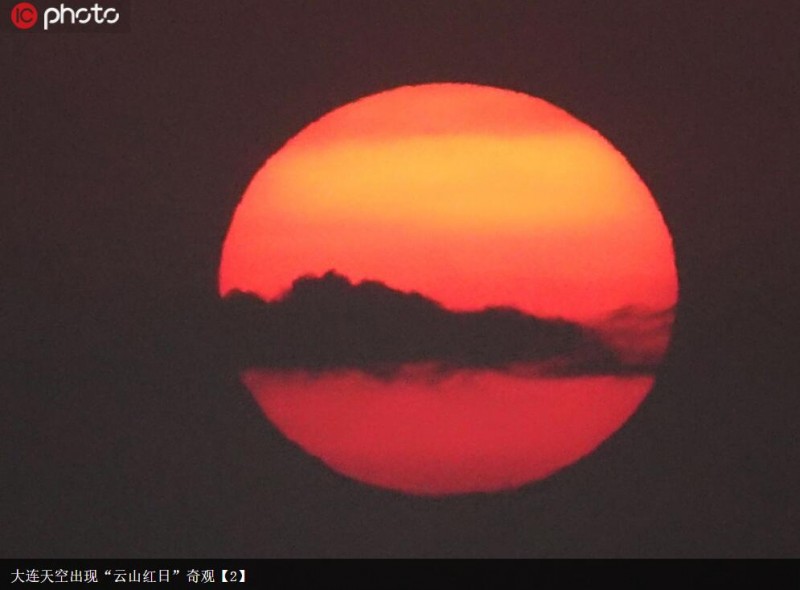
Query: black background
124,155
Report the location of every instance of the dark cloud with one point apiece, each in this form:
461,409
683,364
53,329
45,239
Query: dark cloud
639,336
326,323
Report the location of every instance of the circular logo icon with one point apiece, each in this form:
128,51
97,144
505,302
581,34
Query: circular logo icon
24,15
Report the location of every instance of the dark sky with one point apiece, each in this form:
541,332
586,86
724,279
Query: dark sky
123,156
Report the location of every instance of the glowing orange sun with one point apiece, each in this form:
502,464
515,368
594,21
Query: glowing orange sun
472,197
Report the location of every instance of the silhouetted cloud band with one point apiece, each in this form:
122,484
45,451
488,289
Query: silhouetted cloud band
325,323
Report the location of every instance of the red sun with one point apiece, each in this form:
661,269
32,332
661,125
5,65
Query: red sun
472,197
